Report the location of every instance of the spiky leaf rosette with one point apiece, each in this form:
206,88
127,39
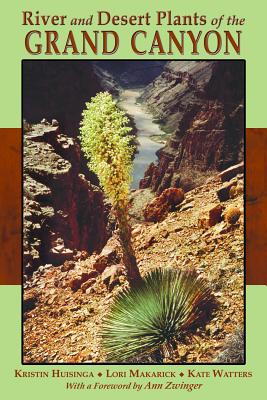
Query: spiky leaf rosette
152,313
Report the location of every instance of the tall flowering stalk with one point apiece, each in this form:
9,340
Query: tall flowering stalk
106,144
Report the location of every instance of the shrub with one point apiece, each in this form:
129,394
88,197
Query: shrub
106,145
232,214
148,316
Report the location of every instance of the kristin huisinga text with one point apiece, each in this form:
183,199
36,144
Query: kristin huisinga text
132,373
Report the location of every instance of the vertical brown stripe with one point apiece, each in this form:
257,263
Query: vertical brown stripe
10,206
256,206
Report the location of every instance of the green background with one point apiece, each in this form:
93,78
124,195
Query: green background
28,388
253,49
253,45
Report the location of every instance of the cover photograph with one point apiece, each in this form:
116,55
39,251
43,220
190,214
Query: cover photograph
133,234
133,199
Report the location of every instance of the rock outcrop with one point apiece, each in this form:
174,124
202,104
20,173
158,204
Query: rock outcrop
60,89
159,207
63,211
202,103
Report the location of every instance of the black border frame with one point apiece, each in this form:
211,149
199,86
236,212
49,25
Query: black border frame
244,203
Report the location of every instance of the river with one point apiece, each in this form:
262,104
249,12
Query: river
145,128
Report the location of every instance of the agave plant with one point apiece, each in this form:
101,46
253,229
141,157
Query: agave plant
149,315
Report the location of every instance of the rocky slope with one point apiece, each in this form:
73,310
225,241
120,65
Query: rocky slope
201,104
63,212
64,307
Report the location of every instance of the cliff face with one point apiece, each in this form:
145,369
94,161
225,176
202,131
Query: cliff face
53,89
201,102
133,73
63,212
63,209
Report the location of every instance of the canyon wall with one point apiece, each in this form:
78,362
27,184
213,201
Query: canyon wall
63,211
133,73
201,104
59,89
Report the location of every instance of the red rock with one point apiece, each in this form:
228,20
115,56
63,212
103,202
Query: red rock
159,207
151,240
88,284
76,282
203,223
112,272
155,211
111,275
109,255
92,274
146,181
81,255
64,199
173,196
215,215
67,266
224,192
231,172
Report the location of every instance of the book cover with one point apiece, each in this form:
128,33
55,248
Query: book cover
133,199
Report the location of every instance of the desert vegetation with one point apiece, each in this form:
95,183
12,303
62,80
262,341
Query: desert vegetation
147,316
148,272
106,145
